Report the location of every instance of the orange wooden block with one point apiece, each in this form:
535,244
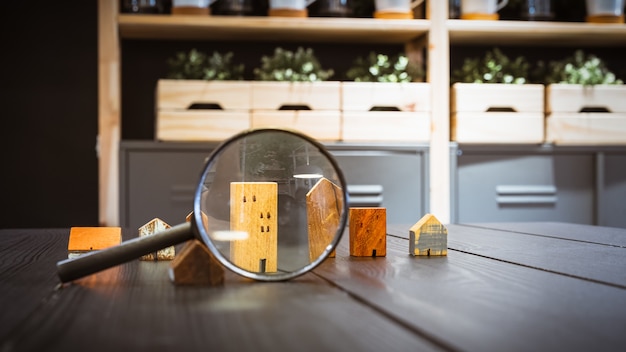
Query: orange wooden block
368,232
195,265
86,239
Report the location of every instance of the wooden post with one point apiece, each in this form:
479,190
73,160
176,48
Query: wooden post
428,237
86,239
150,228
109,120
254,210
324,204
368,232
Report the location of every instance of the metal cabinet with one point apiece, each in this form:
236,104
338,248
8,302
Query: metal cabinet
391,176
159,179
524,184
611,183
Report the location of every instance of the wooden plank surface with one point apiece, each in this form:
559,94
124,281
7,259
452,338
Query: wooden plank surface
467,300
27,272
610,236
474,303
604,264
134,307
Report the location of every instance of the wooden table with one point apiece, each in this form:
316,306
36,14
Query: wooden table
502,287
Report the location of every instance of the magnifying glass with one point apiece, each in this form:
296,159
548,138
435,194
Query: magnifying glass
270,205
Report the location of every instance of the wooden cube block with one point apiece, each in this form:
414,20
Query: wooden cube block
428,237
87,239
368,232
195,265
154,226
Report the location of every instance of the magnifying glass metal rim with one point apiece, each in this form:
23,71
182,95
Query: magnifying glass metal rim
202,233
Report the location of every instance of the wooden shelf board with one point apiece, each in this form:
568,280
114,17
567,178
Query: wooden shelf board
535,33
336,30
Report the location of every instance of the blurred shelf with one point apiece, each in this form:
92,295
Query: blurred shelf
535,33
312,29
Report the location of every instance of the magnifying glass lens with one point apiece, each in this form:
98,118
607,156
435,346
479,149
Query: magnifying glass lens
271,204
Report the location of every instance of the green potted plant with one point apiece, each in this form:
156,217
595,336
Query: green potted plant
385,100
203,98
493,101
585,101
293,90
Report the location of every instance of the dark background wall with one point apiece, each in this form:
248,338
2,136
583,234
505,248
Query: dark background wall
49,107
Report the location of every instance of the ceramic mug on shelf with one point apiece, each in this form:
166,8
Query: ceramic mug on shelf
481,9
191,7
605,11
235,7
289,8
395,9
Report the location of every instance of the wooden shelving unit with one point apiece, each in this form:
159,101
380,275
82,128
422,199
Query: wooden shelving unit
436,33
535,33
229,28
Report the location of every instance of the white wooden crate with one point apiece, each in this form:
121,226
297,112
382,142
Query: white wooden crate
195,110
364,117
497,113
570,122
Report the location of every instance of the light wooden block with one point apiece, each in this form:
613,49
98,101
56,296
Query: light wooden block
86,239
200,125
152,227
254,210
195,265
368,232
324,207
368,96
314,95
498,127
428,237
319,124
380,126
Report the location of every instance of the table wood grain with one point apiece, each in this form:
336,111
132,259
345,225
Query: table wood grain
513,287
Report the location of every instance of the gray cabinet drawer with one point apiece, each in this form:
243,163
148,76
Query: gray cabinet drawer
509,187
158,182
612,199
394,178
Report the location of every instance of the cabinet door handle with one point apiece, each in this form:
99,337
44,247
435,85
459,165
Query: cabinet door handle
526,195
365,195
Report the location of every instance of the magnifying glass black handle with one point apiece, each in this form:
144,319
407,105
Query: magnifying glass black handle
90,263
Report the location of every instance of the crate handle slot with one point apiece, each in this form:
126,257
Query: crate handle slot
205,106
594,109
384,108
501,109
294,107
